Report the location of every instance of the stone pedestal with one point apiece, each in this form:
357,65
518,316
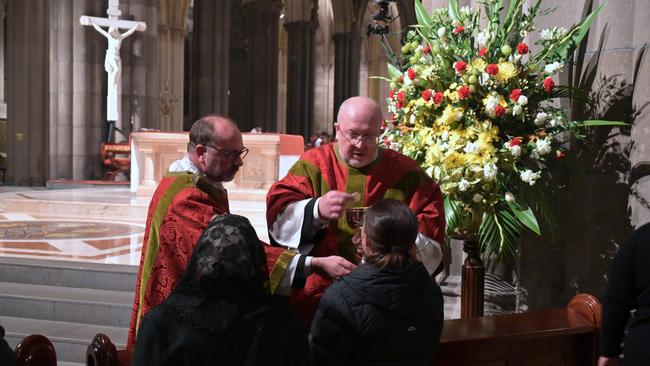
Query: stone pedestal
151,155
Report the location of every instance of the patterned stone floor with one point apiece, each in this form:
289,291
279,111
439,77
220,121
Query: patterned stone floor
104,224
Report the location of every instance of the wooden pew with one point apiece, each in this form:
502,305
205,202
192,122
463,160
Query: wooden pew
544,337
35,350
555,337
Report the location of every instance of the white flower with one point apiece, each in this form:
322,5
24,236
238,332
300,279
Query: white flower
444,136
514,58
516,110
509,197
444,146
559,32
482,39
555,122
441,32
529,177
515,150
471,148
458,116
491,103
540,118
543,146
412,119
490,170
484,78
553,67
546,34
463,185
522,100
477,198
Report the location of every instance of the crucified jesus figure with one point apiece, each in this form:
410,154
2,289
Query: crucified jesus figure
113,63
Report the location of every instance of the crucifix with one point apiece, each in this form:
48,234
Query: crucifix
113,63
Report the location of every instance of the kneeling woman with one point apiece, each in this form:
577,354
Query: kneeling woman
388,311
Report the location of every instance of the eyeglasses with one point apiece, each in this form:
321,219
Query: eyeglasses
231,154
354,139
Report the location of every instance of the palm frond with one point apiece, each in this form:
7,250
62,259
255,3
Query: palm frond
499,232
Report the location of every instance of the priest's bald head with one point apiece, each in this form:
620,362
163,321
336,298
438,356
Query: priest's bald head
358,125
216,147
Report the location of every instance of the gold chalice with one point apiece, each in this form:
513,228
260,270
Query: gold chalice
354,216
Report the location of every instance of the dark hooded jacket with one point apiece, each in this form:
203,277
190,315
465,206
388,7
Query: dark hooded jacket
379,316
221,311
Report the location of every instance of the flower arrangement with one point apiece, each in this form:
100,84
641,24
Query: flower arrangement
470,100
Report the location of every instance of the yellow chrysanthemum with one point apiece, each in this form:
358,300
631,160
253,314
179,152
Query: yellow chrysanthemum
506,72
452,95
477,64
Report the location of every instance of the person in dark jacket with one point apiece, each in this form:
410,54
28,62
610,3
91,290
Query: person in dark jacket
628,289
7,356
221,312
388,311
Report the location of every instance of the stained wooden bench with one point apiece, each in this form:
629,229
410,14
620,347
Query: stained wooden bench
555,337
544,337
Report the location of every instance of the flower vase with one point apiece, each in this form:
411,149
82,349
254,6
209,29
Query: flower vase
472,280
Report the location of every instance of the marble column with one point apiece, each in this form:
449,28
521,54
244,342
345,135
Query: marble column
27,96
210,59
347,62
300,78
262,21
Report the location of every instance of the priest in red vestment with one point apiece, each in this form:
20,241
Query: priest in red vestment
306,209
182,206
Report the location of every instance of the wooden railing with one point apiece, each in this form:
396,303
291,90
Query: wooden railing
555,337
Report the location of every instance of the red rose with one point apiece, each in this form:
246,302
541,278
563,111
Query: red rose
438,97
426,95
522,48
400,96
426,49
399,104
463,92
492,69
559,154
515,94
460,66
458,29
391,93
499,111
482,52
411,74
549,84
515,141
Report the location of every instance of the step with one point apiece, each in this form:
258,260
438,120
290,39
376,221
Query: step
70,340
67,304
114,277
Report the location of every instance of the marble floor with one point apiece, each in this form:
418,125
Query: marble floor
95,224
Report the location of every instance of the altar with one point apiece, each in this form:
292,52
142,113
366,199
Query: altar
270,157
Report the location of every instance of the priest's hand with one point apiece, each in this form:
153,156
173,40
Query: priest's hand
332,266
608,361
331,206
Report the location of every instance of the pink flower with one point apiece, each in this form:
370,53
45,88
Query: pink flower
426,49
549,84
438,97
492,69
460,66
411,74
463,92
522,48
515,94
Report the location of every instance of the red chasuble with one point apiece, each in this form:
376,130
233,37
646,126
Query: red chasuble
391,175
180,210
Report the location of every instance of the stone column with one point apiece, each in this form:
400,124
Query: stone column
300,78
3,102
210,58
27,79
262,20
347,61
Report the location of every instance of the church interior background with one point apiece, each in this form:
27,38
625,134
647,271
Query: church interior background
284,66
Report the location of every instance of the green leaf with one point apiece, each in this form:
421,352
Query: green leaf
424,20
393,71
453,213
498,233
454,13
581,29
526,217
600,122
380,77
